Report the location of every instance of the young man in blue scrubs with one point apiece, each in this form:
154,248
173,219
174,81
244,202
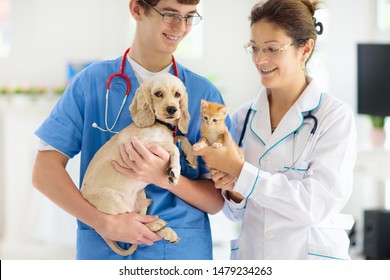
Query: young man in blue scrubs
161,25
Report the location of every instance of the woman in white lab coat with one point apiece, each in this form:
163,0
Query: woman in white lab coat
299,147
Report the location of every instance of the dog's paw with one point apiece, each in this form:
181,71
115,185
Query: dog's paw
169,235
156,225
217,145
173,178
198,146
192,161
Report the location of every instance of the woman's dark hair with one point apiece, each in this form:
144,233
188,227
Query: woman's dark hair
155,2
294,17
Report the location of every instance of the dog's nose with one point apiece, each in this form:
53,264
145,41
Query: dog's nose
171,110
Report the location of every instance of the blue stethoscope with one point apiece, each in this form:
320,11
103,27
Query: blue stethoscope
308,116
122,75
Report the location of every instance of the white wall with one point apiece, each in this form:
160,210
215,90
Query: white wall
31,226
46,35
226,30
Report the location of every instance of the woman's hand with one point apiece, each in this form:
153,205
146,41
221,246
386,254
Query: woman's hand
145,163
226,182
227,159
223,181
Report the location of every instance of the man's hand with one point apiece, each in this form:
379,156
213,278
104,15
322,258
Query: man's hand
145,163
128,227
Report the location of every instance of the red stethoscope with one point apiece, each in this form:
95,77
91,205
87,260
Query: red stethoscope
121,74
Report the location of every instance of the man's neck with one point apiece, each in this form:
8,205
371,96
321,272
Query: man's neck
151,61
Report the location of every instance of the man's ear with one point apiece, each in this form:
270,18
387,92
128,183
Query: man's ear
135,9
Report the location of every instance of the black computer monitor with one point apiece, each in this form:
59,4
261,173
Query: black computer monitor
373,79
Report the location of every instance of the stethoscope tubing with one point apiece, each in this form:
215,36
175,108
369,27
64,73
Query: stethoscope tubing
291,167
122,75
117,117
309,115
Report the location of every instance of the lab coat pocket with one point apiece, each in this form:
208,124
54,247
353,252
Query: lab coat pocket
234,249
297,171
321,252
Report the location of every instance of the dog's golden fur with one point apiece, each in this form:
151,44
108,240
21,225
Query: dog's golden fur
163,97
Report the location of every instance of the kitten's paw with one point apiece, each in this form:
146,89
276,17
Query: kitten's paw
198,146
217,145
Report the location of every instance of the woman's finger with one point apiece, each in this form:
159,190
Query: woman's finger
218,175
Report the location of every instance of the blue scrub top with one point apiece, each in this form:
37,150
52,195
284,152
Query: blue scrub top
69,130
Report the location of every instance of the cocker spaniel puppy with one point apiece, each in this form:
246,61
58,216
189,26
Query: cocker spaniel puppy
160,106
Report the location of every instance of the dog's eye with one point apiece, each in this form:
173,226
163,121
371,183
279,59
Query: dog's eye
205,118
177,94
158,94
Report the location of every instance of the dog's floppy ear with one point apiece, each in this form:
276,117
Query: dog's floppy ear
185,116
141,108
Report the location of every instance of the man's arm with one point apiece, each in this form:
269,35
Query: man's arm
199,193
51,178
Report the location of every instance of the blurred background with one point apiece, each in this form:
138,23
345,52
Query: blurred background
43,43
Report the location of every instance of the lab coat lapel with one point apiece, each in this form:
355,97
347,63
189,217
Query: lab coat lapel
260,124
293,119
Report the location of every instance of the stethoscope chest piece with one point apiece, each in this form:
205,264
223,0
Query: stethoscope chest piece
305,130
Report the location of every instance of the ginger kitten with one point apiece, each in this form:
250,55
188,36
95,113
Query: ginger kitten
212,127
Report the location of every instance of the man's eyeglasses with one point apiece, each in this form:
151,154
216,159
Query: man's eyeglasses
173,18
270,50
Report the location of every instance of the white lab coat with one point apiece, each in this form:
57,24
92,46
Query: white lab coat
295,214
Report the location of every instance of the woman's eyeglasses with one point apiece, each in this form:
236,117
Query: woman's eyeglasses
270,50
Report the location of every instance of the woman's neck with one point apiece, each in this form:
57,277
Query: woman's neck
284,98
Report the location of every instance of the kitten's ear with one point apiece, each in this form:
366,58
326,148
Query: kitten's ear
224,110
203,104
